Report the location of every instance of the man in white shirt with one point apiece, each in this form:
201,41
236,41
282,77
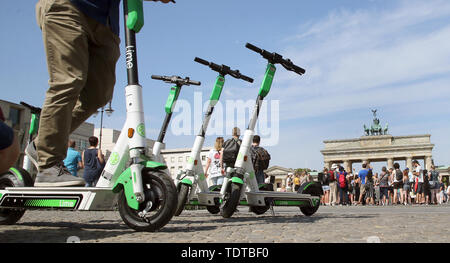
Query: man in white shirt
419,174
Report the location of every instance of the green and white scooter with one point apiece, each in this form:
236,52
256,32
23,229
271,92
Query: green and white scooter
168,108
147,196
193,175
240,185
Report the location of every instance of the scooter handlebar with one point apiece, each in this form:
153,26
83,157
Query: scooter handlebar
223,69
276,58
177,80
32,108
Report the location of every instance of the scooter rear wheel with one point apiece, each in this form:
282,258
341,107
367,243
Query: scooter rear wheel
158,189
9,179
183,192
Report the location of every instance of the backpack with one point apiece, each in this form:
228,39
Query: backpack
262,159
342,180
398,175
230,151
331,176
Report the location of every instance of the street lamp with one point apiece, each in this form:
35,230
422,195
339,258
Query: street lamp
108,111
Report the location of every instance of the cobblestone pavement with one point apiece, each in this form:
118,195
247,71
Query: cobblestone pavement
329,224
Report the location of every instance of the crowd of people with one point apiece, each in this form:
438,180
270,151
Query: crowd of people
392,186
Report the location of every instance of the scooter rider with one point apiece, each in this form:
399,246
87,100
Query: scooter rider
82,47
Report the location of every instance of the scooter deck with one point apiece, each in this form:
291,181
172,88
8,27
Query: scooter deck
254,199
65,198
282,198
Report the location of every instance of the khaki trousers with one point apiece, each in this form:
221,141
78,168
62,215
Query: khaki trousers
333,192
81,60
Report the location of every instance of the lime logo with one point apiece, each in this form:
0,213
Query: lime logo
191,160
240,156
141,129
251,175
114,158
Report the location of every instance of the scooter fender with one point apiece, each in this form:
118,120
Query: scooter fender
186,181
125,182
237,180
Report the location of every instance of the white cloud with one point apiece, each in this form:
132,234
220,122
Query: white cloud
396,59
368,57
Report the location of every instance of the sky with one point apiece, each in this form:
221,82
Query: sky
389,55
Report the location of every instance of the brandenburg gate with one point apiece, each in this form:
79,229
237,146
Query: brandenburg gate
378,146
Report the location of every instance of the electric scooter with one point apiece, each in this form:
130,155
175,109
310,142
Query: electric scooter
147,196
170,104
193,175
242,176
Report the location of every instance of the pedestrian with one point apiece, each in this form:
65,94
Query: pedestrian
419,179
212,168
362,180
289,182
342,186
333,184
73,160
370,190
296,181
81,41
356,188
434,184
230,150
384,184
325,180
391,186
406,187
9,146
376,181
398,184
93,162
350,190
260,159
426,188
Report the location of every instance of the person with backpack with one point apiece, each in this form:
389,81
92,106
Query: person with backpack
384,184
230,150
398,183
333,184
93,162
434,184
260,159
362,180
342,186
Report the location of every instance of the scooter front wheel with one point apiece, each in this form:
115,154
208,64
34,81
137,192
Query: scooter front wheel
183,193
159,205
313,189
231,200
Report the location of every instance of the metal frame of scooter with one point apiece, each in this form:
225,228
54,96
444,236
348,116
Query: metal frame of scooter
250,193
130,146
194,175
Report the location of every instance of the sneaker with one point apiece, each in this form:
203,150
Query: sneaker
31,152
57,176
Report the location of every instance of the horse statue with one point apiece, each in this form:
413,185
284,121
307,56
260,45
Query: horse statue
375,128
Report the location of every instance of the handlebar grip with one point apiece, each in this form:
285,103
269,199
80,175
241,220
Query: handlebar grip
248,79
193,82
201,61
158,77
254,48
299,70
